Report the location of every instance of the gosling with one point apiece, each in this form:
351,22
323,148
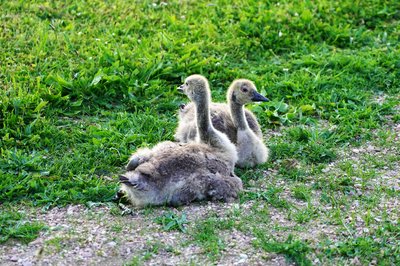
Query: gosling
233,119
179,173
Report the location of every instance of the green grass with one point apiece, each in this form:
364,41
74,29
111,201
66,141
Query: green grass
272,196
171,221
15,226
383,246
83,85
295,250
301,192
207,234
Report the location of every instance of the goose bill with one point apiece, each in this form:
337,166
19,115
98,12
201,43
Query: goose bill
259,98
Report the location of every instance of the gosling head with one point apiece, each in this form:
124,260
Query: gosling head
243,91
195,87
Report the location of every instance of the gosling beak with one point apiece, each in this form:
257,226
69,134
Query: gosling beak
124,180
259,98
182,88
119,195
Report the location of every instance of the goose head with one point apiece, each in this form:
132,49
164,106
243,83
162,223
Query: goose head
195,87
243,91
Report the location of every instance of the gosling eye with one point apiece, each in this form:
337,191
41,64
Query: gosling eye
244,89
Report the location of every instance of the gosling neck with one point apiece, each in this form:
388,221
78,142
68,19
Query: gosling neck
238,115
204,126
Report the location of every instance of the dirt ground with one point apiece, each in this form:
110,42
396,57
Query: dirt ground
78,235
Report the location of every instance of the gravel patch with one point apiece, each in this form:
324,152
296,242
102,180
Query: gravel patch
78,235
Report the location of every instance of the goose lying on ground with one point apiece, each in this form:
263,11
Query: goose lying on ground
175,173
233,119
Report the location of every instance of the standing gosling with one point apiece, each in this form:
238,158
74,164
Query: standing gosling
238,123
177,174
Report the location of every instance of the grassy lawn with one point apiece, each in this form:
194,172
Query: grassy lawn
84,84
